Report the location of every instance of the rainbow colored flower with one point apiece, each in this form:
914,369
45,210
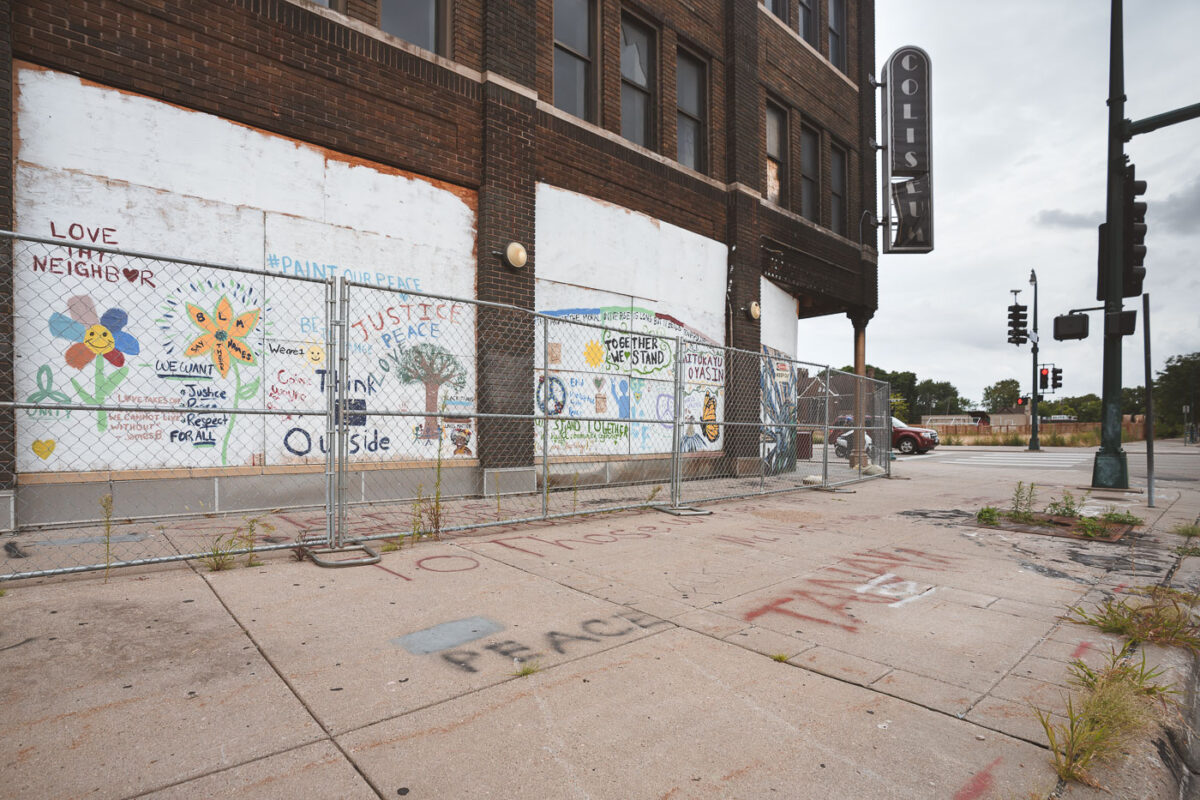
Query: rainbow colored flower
93,337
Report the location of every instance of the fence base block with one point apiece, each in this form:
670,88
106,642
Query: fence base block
319,555
682,511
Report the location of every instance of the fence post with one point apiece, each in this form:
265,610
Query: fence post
343,370
545,417
825,434
676,443
332,501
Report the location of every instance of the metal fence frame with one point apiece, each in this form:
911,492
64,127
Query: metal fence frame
691,478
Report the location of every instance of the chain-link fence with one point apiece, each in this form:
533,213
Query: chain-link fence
162,409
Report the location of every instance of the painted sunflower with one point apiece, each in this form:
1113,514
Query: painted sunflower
223,335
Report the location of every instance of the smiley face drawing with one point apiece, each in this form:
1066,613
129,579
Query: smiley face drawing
314,355
99,339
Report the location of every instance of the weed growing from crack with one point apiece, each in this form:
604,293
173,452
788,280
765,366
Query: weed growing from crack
1116,517
1115,703
106,503
1155,614
527,668
780,657
1067,506
988,515
1022,502
1188,530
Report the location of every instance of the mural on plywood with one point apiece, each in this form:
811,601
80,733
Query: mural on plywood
103,329
778,386
612,381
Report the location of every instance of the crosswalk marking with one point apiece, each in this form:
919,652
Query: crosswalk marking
1045,460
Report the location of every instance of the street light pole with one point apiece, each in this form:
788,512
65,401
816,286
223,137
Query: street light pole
1034,444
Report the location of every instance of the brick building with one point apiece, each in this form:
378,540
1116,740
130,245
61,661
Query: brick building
686,158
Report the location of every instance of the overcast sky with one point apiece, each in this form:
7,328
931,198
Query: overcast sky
1019,153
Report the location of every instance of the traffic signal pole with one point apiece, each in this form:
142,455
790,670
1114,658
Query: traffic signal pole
1111,469
1034,444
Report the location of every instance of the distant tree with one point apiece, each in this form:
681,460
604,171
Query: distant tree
1133,401
899,406
935,397
1002,394
1177,385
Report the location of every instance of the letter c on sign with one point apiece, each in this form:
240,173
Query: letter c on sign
909,86
906,63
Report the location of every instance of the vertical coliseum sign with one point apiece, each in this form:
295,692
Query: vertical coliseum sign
908,168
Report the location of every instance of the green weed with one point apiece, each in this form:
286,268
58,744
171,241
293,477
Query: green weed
653,493
988,515
1120,517
1185,529
780,657
220,555
1091,527
106,503
527,668
1187,550
1067,506
1115,704
1022,502
1156,614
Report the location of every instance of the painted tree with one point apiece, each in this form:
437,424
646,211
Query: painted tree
1002,394
433,366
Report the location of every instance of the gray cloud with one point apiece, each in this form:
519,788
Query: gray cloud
1179,212
1057,218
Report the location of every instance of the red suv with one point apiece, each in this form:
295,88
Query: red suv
905,438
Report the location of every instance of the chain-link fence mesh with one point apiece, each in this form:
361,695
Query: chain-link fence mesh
162,409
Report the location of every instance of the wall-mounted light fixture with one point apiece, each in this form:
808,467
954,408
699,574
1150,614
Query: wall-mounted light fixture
514,255
754,310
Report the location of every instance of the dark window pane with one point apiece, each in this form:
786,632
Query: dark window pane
778,8
635,53
837,30
572,25
412,20
810,199
689,88
570,83
837,200
775,132
810,153
635,115
689,142
808,23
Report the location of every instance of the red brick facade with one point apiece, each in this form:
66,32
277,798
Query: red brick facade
483,117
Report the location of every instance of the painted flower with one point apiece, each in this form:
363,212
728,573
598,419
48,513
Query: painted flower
91,336
223,334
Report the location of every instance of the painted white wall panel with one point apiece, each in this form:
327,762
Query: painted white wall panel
70,124
779,322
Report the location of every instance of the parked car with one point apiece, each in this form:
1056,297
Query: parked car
906,438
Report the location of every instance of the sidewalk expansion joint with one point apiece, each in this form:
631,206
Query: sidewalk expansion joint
279,673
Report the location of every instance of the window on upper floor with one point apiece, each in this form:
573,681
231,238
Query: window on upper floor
691,90
777,139
837,33
421,22
637,82
778,8
839,180
334,5
574,59
807,23
810,174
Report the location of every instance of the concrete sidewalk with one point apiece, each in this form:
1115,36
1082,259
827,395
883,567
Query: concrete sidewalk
911,644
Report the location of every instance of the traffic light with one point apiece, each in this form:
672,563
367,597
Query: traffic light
1022,401
1133,217
1044,378
1016,324
1056,378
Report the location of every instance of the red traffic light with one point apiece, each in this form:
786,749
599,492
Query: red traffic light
1045,371
1021,401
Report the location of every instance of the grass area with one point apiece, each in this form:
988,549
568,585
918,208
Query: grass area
527,668
1187,530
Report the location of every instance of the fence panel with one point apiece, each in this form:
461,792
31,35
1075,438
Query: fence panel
168,409
157,406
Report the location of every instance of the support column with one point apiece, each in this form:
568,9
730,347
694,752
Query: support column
505,339
860,318
8,429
